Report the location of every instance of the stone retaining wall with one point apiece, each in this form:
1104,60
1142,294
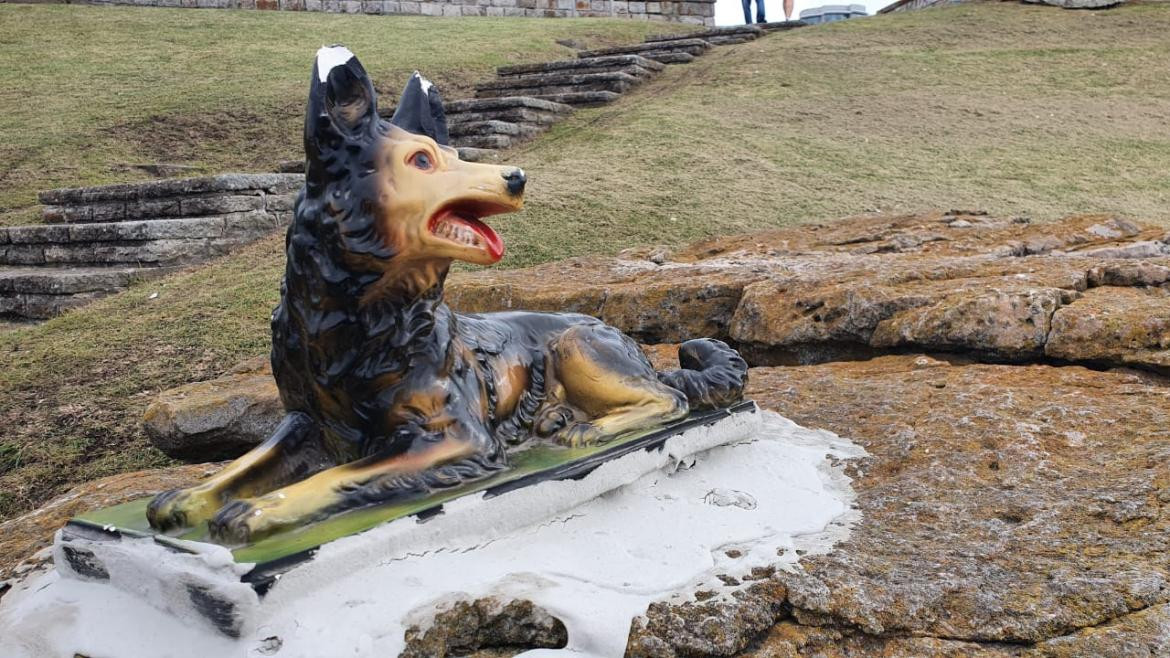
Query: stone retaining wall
697,12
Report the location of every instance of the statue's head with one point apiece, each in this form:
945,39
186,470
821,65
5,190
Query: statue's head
399,195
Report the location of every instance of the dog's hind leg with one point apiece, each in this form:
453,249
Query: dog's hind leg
607,378
292,452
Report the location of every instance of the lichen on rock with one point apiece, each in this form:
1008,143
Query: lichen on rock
1009,382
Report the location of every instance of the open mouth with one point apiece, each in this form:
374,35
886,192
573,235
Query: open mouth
462,224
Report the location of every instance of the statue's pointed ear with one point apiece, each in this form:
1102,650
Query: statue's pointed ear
341,96
420,110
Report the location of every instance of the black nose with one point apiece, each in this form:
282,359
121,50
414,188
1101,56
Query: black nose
515,180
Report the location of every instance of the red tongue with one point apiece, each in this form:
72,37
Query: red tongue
491,239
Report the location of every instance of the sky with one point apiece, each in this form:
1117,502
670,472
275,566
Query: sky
730,12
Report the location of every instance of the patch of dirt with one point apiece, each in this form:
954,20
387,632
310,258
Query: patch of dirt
257,139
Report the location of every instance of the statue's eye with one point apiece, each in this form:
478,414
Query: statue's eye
422,161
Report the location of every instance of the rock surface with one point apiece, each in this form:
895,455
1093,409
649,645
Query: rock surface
1003,289
486,624
1009,382
22,537
219,418
1006,511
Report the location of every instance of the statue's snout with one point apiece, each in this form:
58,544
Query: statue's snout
515,179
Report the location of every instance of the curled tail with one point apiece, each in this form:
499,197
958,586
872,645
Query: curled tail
712,374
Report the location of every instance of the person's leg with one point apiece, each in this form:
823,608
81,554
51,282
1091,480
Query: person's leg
787,10
747,11
760,12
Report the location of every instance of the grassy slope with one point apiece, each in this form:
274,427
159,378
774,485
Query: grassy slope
1010,108
94,90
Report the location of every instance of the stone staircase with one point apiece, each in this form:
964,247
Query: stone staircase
524,100
580,82
481,126
679,50
98,240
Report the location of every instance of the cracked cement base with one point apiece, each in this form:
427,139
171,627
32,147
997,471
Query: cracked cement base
767,501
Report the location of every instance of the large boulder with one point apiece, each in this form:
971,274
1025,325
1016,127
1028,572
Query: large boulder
1000,289
216,419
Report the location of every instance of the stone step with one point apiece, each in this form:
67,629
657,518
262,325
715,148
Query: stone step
638,71
671,57
729,40
779,26
159,229
291,166
39,293
583,98
170,207
34,306
525,115
573,95
482,141
151,242
544,86
146,253
72,280
584,65
469,154
692,46
493,127
503,103
749,31
178,197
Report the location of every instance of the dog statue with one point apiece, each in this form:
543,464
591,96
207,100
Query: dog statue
390,394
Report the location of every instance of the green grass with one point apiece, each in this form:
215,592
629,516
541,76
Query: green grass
1014,109
90,92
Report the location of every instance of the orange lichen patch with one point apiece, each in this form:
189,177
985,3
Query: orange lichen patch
23,536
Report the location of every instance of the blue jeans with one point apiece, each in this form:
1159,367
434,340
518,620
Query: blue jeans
747,11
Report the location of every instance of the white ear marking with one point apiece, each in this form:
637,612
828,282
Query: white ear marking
423,82
330,56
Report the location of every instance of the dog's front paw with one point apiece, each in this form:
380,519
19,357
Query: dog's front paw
181,508
234,523
250,519
580,435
